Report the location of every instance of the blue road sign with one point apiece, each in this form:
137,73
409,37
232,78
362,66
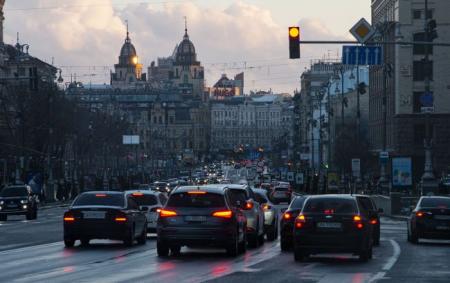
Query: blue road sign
362,55
427,99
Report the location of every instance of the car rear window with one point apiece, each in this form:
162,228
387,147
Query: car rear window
297,203
260,197
145,199
330,205
435,202
196,200
14,192
281,189
100,199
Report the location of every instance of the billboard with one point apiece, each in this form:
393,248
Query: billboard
402,171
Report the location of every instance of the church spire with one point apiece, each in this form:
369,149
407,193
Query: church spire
128,33
185,28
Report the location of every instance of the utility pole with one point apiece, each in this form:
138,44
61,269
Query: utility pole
428,181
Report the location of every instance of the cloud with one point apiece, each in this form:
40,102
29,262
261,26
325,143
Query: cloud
241,37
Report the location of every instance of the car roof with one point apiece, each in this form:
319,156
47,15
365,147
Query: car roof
338,196
216,188
104,192
236,186
438,197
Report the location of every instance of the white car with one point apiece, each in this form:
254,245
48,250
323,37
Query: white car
153,201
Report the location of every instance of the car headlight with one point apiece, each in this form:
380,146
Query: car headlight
25,206
24,201
2,202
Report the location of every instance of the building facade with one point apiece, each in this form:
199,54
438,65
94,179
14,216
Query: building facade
402,84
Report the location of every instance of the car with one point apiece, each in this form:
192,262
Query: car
370,208
430,219
332,224
18,200
162,187
287,222
281,194
243,195
151,202
104,215
270,214
201,216
266,186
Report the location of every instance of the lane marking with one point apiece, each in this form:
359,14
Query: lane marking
389,264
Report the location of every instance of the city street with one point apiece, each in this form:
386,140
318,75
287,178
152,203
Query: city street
32,251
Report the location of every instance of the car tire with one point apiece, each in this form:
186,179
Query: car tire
364,255
252,241
69,243
175,250
3,217
299,254
376,241
84,242
142,239
29,215
285,245
233,248
162,249
129,238
272,233
243,244
413,237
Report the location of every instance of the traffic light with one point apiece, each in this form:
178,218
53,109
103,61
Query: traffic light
294,42
432,33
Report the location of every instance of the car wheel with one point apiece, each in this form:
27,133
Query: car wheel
162,249
143,237
29,215
299,254
129,238
243,244
364,256
272,233
233,248
413,237
252,241
69,243
3,217
175,250
84,242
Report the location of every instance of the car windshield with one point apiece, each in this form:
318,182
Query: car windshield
260,197
14,192
435,202
330,206
297,203
282,189
144,199
100,199
196,200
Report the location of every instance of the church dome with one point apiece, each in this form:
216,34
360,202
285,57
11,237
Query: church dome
186,52
127,52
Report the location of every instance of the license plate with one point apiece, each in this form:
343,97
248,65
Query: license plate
93,214
330,225
12,205
442,217
195,218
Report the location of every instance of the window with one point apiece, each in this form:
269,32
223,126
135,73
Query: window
417,14
333,205
200,201
172,120
132,204
100,199
145,199
417,105
419,49
160,119
420,70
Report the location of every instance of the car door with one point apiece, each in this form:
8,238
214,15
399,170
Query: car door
135,215
257,207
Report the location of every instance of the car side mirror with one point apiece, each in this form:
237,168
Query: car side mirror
380,210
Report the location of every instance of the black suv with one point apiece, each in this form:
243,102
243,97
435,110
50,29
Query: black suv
371,211
201,216
332,224
287,222
18,200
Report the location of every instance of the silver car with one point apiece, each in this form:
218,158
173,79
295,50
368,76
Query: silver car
152,201
243,196
270,214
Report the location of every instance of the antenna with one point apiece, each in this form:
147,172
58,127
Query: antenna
17,37
185,24
128,31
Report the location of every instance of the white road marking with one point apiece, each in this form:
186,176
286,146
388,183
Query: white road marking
389,264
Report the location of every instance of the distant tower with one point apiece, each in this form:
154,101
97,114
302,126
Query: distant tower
2,18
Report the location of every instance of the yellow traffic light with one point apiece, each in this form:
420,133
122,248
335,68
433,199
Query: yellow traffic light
294,31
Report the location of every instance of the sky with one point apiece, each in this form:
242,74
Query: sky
84,37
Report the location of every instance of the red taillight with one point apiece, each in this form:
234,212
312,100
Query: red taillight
249,205
69,217
223,214
167,213
300,221
419,213
287,216
373,221
120,219
137,194
357,219
100,195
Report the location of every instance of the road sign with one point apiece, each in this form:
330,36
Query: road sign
362,31
356,167
426,99
127,140
362,55
299,179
